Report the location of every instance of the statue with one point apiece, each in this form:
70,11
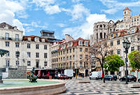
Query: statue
32,77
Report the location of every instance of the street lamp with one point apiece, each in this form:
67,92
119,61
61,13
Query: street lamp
126,45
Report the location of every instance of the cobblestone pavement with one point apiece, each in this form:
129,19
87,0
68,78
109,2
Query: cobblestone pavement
97,87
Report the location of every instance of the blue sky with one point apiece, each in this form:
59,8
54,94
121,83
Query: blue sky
74,17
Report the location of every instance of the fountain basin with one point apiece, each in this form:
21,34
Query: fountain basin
42,87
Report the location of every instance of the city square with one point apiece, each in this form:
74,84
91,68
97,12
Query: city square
96,87
75,47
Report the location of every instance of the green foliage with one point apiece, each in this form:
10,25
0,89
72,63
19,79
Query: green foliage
134,58
113,62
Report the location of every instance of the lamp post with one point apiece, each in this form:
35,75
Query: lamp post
126,45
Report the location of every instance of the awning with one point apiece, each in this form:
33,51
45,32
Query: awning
2,52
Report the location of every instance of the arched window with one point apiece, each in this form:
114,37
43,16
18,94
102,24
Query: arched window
100,26
100,35
104,35
97,35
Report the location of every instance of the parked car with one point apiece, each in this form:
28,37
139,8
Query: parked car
69,73
129,77
139,80
111,77
63,77
96,75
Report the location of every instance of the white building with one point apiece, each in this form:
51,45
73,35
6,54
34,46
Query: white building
34,51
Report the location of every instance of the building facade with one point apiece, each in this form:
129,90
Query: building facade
115,33
30,51
71,54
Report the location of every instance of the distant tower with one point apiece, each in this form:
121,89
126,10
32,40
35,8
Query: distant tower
126,14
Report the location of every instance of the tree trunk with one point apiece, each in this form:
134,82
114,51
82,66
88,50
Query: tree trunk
103,75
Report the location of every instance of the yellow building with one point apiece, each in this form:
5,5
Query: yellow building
71,54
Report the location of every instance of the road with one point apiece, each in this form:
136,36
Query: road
97,87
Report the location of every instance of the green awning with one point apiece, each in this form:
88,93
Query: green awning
2,52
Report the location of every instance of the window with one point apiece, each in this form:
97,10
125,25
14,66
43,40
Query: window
70,57
86,56
28,45
7,63
86,43
28,63
6,36
17,37
37,55
80,42
7,44
111,52
17,63
81,64
73,65
86,49
111,43
80,49
37,46
45,55
70,64
73,57
67,58
17,53
73,49
70,50
132,39
67,51
121,26
116,34
118,42
132,49
37,63
29,54
45,63
63,58
8,54
139,48
45,46
81,56
118,51
111,35
16,44
132,30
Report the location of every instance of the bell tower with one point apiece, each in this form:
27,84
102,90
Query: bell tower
126,14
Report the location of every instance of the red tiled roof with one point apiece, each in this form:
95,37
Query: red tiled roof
119,31
126,9
25,38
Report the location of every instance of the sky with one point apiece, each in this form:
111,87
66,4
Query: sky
73,17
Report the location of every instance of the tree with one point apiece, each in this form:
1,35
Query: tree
113,62
99,51
134,58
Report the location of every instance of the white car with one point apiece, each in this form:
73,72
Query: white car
95,75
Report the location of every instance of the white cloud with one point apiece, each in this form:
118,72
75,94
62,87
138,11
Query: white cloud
86,29
75,0
77,12
52,9
29,29
48,6
61,25
36,24
8,9
114,5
